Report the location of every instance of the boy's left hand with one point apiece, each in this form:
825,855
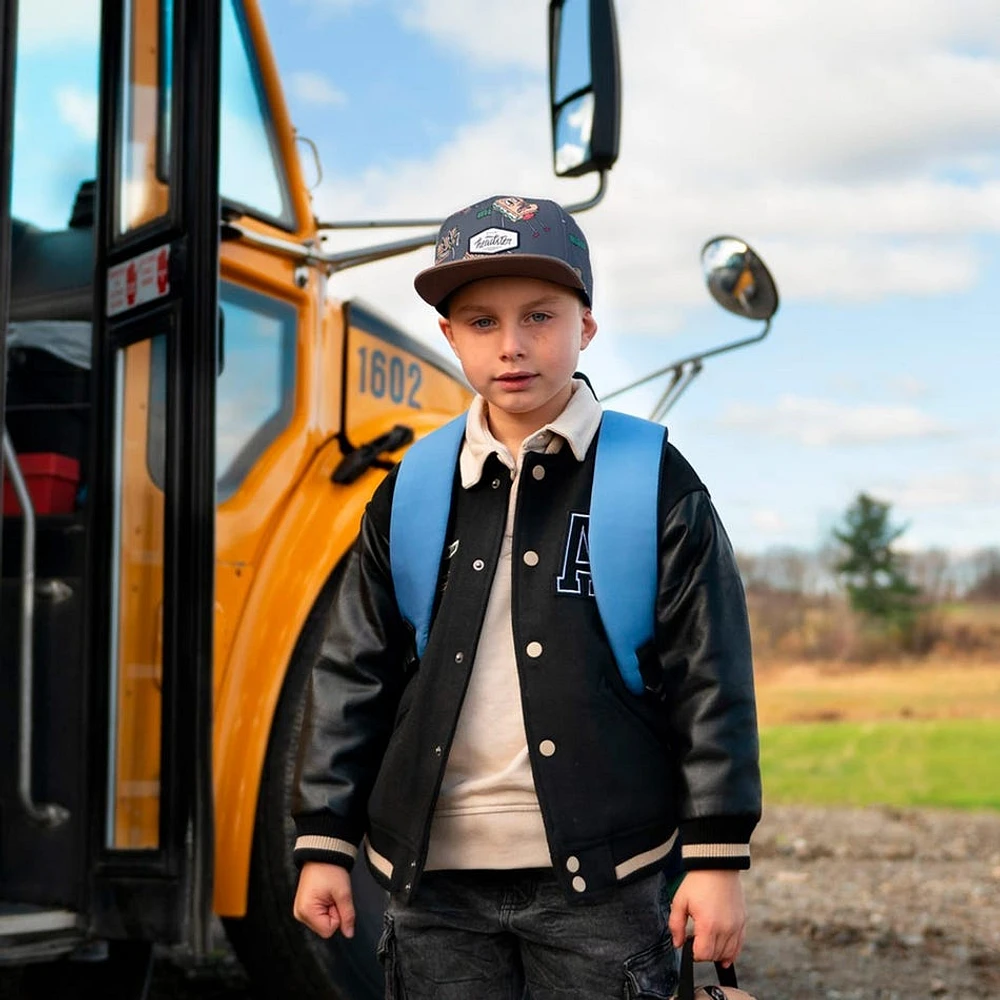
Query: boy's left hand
713,899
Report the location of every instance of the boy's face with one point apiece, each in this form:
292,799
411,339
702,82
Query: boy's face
518,340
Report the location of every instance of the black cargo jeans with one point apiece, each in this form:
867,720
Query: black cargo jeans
506,935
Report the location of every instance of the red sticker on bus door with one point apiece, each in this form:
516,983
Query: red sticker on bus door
142,279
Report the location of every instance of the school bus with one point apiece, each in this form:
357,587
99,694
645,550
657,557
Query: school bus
192,427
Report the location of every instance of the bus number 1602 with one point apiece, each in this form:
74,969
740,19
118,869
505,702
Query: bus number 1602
381,375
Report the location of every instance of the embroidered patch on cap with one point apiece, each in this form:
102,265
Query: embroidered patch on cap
493,241
516,209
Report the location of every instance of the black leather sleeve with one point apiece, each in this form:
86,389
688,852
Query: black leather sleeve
706,675
352,696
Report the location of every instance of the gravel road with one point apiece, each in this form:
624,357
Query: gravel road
845,904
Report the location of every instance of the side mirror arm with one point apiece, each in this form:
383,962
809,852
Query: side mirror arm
683,373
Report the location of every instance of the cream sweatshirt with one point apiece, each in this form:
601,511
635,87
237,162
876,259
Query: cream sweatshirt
487,813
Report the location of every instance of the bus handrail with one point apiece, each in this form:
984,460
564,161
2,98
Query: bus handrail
47,813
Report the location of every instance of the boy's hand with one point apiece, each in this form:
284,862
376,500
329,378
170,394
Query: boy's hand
324,901
714,900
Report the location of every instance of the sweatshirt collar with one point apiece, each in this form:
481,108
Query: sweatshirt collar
575,426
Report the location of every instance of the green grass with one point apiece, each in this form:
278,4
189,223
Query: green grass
944,763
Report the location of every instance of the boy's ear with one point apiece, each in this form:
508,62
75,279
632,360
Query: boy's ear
445,325
588,328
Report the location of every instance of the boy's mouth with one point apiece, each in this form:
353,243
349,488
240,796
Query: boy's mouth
513,380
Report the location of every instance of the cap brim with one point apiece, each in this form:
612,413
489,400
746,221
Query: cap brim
435,284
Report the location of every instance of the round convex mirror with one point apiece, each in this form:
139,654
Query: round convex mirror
738,279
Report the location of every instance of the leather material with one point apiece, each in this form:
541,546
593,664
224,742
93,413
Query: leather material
615,773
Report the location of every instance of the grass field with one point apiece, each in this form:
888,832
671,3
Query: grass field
949,763
921,736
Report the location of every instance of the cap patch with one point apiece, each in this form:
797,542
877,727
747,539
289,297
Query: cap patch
446,244
493,240
516,209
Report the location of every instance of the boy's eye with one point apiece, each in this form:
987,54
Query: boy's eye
482,323
538,317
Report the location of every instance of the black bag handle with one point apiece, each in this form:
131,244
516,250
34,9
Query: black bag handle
685,989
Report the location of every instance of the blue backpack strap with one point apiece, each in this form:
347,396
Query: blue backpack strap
421,503
623,534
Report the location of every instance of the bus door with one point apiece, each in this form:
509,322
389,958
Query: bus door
153,505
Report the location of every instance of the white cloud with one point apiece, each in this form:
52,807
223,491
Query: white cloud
768,522
942,489
494,35
78,109
855,146
330,8
316,89
821,422
908,386
43,25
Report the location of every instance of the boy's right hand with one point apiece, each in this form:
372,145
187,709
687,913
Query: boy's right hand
324,901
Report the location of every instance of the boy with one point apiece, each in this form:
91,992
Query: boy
534,821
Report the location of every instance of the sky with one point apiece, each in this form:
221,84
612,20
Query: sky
855,146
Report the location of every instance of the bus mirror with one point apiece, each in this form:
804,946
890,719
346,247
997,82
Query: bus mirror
584,87
738,279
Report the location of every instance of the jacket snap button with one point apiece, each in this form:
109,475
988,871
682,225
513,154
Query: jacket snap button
538,472
530,558
459,657
572,864
409,886
546,748
438,751
533,649
478,565
579,883
495,484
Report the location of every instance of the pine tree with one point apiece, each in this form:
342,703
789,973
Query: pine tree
870,570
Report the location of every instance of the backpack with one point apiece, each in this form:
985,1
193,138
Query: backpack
622,531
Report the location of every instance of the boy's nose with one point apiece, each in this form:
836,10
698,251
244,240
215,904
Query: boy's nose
511,342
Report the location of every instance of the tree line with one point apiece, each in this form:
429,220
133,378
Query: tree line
861,595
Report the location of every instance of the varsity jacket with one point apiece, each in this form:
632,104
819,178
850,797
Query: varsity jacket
620,778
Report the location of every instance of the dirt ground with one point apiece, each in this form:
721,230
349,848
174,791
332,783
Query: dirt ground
880,903
845,904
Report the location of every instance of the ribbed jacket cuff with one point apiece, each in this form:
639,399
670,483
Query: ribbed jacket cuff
321,840
717,842
328,850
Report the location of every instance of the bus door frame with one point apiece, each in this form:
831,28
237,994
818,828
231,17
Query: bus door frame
162,894
8,48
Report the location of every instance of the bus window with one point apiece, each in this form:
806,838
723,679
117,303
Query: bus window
255,393
137,609
55,115
142,195
250,173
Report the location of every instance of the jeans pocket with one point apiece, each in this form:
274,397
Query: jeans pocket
652,973
386,952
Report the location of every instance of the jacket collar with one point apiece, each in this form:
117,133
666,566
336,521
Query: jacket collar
575,426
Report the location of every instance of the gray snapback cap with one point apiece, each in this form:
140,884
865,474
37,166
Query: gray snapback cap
507,235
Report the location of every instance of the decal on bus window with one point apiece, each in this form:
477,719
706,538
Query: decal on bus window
388,375
139,280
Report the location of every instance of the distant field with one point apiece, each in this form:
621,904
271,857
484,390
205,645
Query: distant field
943,763
935,690
926,735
